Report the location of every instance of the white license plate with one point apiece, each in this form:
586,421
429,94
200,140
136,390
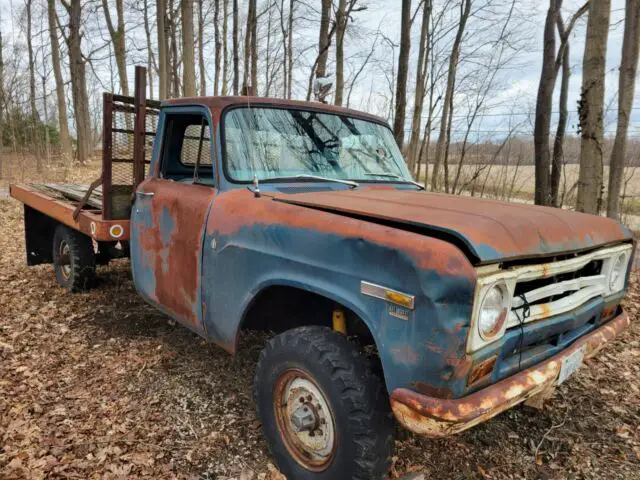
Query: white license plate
571,364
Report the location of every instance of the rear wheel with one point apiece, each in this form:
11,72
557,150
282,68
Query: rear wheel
73,259
325,415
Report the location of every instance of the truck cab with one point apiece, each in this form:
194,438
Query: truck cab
303,219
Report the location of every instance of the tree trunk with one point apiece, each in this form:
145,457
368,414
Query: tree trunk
421,75
79,82
443,137
558,142
341,26
175,77
290,50
403,69
246,73
236,55
118,39
163,64
225,53
591,108
544,105
218,47
2,100
32,72
201,66
63,126
188,60
254,47
323,39
150,57
626,87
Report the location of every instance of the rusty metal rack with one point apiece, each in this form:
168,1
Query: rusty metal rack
101,210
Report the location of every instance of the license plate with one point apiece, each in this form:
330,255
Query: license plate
570,365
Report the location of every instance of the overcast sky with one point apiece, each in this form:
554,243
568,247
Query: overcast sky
518,82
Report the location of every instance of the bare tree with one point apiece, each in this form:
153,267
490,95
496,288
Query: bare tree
201,66
188,60
236,54
626,89
151,62
78,79
63,126
163,54
32,76
591,108
117,35
2,100
250,50
225,53
218,47
324,39
403,73
443,138
343,15
421,76
544,105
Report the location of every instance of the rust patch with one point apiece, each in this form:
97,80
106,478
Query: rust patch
438,417
239,208
405,355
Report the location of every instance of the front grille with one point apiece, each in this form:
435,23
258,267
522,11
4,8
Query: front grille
544,290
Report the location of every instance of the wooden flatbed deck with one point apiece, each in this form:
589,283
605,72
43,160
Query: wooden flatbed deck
59,201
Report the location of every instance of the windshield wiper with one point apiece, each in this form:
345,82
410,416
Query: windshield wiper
304,176
393,175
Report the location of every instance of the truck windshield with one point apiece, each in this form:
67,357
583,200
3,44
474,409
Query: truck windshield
268,142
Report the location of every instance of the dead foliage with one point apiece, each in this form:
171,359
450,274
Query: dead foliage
101,385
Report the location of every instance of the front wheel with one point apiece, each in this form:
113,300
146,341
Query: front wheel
324,414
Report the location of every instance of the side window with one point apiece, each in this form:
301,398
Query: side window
186,155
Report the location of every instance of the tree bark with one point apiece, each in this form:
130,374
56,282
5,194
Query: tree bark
421,75
32,72
591,108
201,66
254,46
290,49
341,26
323,39
78,81
150,56
403,71
443,137
188,57
118,39
175,77
63,126
558,142
236,55
225,53
2,99
544,105
163,64
626,90
218,47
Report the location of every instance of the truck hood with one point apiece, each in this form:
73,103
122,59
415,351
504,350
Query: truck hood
486,230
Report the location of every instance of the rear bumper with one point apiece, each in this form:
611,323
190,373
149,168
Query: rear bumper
438,417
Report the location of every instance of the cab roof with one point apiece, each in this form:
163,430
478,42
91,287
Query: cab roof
216,104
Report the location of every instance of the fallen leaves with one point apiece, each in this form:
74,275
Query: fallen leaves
100,385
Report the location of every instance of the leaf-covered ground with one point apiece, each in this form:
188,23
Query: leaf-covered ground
100,385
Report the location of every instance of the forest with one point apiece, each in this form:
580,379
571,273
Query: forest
443,73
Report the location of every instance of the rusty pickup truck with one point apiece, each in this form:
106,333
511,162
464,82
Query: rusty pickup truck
387,302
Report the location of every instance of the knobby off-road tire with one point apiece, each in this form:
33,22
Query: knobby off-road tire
74,260
320,370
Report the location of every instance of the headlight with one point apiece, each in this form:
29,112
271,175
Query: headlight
493,311
618,273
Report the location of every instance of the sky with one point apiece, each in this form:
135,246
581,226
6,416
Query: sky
511,101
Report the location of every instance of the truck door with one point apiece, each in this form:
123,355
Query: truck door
169,215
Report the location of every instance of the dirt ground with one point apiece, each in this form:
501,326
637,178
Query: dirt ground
100,385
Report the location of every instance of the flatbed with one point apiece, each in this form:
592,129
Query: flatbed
60,203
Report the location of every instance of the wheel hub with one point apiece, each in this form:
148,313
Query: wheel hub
305,420
64,260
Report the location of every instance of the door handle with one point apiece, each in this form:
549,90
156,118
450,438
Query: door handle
145,194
